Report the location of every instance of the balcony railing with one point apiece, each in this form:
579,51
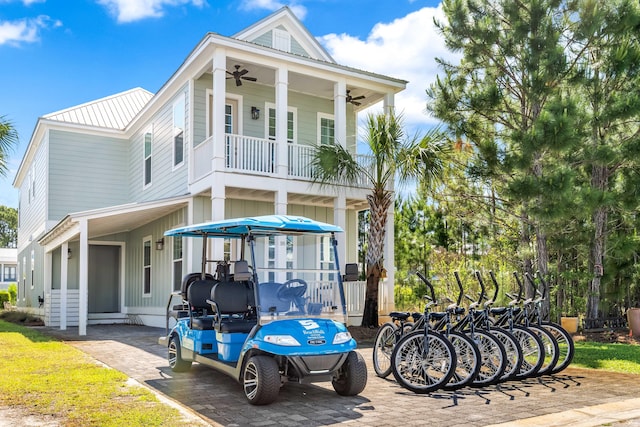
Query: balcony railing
247,154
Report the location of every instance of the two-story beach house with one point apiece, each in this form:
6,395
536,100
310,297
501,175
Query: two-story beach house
229,134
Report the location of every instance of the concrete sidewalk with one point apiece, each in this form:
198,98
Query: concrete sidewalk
576,397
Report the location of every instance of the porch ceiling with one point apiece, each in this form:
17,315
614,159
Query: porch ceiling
124,221
303,83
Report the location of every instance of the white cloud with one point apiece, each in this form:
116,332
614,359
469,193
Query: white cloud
135,10
272,5
25,30
405,48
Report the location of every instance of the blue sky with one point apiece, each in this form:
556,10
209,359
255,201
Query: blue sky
55,54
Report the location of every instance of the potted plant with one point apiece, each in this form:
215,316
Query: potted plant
570,323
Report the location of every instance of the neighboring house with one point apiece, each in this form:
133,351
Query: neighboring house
8,267
101,182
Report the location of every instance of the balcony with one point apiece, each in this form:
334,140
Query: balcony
250,155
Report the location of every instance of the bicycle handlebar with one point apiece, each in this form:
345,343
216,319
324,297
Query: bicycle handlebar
495,284
459,282
515,274
429,285
482,292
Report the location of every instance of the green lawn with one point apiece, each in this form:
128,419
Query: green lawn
46,376
613,357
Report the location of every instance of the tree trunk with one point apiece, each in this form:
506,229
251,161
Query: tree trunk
378,206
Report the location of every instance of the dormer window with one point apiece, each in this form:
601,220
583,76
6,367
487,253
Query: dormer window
281,40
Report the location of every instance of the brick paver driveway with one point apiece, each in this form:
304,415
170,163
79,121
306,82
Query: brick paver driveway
219,400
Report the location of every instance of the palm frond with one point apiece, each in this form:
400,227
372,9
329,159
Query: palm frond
332,164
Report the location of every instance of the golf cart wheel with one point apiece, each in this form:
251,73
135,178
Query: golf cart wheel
261,380
352,376
176,363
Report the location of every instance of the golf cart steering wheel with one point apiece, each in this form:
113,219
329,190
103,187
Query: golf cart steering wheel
291,289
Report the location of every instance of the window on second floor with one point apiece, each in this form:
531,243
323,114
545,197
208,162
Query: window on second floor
148,143
178,130
291,124
326,129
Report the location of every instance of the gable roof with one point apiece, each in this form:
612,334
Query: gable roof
284,18
113,112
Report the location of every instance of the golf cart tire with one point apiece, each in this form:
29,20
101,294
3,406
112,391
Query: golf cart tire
176,363
261,380
352,376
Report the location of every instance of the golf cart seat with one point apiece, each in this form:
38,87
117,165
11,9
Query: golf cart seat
233,304
188,279
197,294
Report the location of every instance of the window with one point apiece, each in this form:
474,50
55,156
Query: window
281,40
326,257
177,263
178,130
228,118
33,266
148,140
291,124
326,129
146,266
9,273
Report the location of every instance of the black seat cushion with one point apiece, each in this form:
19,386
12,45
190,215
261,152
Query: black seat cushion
198,293
236,325
202,323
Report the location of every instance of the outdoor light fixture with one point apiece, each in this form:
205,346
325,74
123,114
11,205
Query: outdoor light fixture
255,113
69,253
160,244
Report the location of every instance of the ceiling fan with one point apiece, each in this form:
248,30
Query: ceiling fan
354,99
240,75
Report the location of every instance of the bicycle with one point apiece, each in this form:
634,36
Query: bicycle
423,360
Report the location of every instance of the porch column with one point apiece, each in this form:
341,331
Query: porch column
217,213
64,278
47,283
217,110
340,112
388,103
281,241
83,304
282,87
340,219
386,303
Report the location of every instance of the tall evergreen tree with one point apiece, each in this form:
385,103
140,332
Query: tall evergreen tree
505,98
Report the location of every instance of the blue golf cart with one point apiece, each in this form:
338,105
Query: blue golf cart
262,321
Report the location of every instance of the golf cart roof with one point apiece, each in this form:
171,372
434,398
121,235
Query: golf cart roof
259,225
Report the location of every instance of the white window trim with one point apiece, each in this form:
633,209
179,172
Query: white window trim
290,109
319,127
181,99
144,158
239,113
150,240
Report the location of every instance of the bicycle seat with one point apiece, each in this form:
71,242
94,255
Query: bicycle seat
399,315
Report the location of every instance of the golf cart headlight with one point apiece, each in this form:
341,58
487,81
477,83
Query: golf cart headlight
286,340
341,337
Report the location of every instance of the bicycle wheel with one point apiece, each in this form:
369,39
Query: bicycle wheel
551,352
382,349
532,352
513,350
423,364
494,358
468,361
566,347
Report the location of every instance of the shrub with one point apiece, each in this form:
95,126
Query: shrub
4,297
13,293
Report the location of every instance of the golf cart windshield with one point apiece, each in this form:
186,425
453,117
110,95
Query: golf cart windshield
291,265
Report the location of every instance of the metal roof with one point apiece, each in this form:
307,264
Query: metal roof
112,112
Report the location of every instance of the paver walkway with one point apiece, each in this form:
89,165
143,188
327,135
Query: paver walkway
574,397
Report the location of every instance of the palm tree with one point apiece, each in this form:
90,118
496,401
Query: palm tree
8,137
393,158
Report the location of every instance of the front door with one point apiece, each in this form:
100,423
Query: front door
104,279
